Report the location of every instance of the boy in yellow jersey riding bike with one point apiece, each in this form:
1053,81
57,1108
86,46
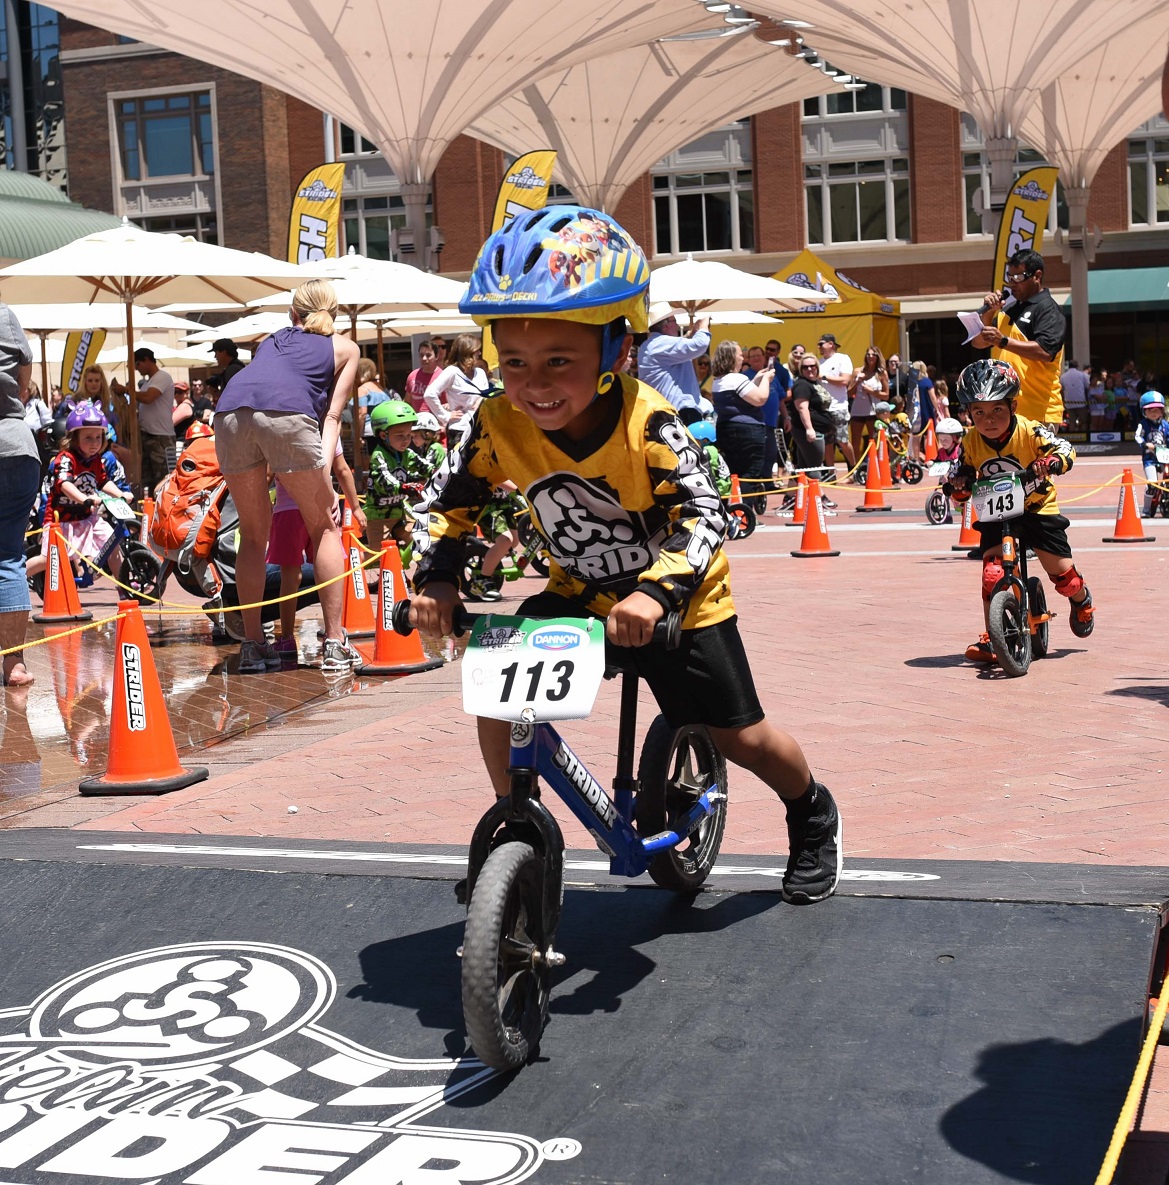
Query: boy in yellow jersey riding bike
1002,443
623,497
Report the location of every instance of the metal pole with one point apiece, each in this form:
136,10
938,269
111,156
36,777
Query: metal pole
16,108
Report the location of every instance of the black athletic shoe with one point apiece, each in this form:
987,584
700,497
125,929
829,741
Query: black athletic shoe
815,852
1082,617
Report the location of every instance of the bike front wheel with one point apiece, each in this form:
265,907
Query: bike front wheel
911,473
743,520
937,508
676,767
506,977
1010,636
141,568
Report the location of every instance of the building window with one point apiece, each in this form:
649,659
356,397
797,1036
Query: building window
168,135
856,166
370,219
204,227
704,195
1148,174
976,175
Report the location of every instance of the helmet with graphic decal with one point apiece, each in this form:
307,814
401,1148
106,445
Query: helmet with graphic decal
197,429
86,415
391,413
703,431
425,422
989,380
571,263
1152,399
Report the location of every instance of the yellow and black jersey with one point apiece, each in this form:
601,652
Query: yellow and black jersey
634,507
1025,441
1038,319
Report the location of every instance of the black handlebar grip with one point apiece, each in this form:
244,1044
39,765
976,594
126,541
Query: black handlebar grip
400,618
668,631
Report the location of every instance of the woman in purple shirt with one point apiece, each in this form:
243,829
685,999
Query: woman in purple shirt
270,417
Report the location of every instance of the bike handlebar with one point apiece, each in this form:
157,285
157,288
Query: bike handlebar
667,632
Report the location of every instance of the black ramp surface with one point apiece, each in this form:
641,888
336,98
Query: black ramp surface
314,1036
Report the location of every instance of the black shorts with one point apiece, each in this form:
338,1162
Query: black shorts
707,680
1040,532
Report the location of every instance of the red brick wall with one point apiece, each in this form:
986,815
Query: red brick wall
635,212
937,198
464,188
777,149
1108,205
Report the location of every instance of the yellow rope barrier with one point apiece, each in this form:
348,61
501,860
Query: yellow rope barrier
1136,1087
89,625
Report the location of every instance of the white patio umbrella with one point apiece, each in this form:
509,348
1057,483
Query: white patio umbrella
708,286
128,265
256,326
164,355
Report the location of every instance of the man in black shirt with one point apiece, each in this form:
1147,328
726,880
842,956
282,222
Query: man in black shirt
227,356
1030,336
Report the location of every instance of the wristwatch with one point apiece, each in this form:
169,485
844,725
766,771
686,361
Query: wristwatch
1003,339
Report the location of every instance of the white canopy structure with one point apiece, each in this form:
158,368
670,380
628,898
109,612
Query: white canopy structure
1079,118
702,286
611,118
992,60
410,77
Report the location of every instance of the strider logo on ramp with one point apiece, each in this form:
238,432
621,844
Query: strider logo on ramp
204,1064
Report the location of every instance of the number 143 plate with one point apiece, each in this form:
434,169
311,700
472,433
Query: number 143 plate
534,669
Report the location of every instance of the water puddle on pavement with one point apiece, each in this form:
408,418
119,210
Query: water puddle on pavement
56,732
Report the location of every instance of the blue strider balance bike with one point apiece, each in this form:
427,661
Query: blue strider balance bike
667,821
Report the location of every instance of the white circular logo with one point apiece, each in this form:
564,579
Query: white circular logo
183,1005
560,1149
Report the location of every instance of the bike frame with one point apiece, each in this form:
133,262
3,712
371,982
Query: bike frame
1015,557
538,751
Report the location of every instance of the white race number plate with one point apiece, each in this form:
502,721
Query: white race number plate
998,498
533,669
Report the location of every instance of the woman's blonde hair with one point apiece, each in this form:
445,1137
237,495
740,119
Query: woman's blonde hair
315,302
464,349
105,386
366,370
722,361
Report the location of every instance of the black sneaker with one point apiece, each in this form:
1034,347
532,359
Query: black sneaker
815,852
1082,617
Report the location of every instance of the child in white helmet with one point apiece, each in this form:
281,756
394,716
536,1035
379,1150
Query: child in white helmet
1152,434
425,442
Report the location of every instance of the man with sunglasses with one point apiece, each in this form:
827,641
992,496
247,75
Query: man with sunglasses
1028,333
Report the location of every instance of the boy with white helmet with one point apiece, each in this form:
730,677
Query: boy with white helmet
622,495
424,440
1152,434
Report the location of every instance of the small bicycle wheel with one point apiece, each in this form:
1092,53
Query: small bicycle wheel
911,473
1010,636
677,766
937,507
506,980
141,569
743,517
1037,602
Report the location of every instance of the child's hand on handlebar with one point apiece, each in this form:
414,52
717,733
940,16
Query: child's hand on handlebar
1041,467
432,610
631,621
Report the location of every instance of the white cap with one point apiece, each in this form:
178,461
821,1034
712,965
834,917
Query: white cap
660,310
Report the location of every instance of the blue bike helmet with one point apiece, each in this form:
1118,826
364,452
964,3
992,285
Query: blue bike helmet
567,262
1152,399
86,415
702,431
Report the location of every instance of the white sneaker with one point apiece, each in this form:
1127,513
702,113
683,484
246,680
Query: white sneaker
338,657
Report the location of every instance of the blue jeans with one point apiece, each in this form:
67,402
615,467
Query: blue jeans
20,477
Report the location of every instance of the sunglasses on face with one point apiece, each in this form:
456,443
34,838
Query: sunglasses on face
1018,277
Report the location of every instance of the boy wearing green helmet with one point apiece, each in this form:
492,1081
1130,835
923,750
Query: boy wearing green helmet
396,475
623,497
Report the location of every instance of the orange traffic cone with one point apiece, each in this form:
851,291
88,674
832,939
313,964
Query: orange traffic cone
930,445
968,537
391,653
143,758
346,514
800,515
1128,523
815,537
874,499
886,470
358,614
736,489
61,602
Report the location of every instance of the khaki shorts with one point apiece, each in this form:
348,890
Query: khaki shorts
285,441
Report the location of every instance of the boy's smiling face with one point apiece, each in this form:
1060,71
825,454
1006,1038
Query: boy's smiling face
550,370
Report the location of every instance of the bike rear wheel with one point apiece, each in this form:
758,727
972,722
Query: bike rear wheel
911,473
1037,600
676,767
1010,637
141,569
506,980
743,519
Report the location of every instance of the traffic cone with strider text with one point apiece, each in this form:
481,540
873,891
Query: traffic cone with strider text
392,653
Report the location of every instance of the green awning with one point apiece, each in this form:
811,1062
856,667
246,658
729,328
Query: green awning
1118,290
36,218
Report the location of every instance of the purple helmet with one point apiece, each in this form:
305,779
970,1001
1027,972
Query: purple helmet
86,415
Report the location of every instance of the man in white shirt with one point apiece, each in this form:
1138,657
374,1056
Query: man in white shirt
836,371
1075,383
156,403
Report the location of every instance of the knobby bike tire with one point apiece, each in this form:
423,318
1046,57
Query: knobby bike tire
1037,598
1010,637
505,989
676,766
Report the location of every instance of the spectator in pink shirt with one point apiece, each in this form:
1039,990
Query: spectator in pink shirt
421,377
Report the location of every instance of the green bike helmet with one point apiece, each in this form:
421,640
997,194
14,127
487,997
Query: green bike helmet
391,413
